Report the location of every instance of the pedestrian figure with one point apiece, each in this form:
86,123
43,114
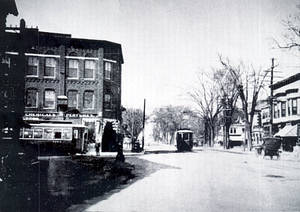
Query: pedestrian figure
97,146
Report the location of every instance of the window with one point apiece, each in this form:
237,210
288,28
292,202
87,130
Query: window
48,134
275,111
28,133
107,101
50,65
72,99
38,133
31,98
49,99
73,69
294,107
32,68
89,66
283,109
288,106
67,134
108,70
88,99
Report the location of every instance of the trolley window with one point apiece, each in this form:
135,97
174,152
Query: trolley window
28,133
48,133
67,134
38,133
57,133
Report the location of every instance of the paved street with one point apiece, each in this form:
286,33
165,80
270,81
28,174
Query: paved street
208,180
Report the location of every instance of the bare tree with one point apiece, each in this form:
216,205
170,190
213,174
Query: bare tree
133,118
205,95
253,81
291,37
228,94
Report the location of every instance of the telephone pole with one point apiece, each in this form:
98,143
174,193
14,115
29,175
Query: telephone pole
271,99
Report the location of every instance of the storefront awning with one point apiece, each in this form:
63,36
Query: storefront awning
287,131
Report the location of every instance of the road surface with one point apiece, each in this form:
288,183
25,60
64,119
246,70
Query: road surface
211,181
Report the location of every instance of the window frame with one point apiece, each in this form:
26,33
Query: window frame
106,102
75,91
77,68
283,109
53,66
54,99
108,71
93,100
294,107
36,97
31,65
85,69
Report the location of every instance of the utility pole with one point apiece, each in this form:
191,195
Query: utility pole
144,114
271,99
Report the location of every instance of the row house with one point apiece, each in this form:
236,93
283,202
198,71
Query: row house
286,110
71,79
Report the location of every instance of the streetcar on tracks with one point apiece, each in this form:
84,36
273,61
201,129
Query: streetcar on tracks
53,138
184,140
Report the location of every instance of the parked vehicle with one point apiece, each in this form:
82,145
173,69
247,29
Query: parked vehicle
48,137
184,140
269,147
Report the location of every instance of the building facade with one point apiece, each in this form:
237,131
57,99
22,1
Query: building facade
75,80
286,110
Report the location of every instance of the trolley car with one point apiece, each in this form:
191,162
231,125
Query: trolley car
183,140
55,138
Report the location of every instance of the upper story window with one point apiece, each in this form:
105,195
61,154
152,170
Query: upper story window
73,66
73,69
73,99
49,99
294,107
275,111
31,98
88,99
50,66
32,66
108,70
89,67
107,101
283,109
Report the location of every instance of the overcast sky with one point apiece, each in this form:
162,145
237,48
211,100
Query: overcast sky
165,42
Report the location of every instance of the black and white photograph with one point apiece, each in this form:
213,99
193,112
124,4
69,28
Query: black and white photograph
149,105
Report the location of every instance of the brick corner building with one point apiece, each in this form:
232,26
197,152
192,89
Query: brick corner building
71,79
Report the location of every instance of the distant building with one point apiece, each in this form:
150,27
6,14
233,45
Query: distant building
286,110
71,79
